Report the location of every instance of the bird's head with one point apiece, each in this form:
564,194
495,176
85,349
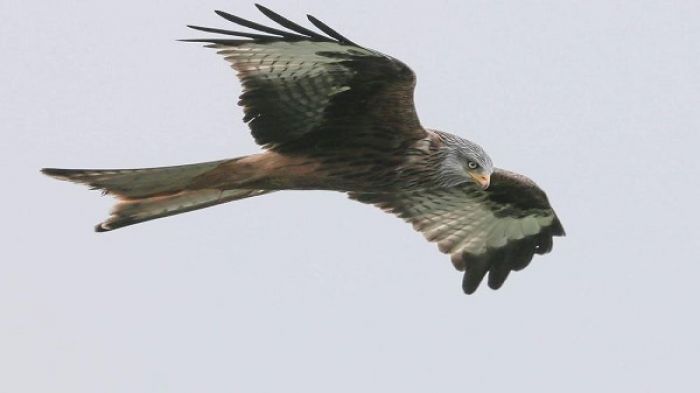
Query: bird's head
478,166
467,162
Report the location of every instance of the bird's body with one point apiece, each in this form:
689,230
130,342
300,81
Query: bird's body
332,115
413,166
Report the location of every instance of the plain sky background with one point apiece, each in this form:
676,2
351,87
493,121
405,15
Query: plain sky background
306,291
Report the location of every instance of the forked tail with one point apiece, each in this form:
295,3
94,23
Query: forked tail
150,193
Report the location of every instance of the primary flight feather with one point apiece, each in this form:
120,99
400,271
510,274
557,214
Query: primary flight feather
333,115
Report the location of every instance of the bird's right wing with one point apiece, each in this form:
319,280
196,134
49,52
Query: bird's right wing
305,89
496,231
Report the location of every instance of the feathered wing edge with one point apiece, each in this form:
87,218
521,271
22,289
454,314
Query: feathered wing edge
498,262
296,33
511,195
515,255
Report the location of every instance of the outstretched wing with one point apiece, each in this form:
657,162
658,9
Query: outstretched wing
304,90
496,231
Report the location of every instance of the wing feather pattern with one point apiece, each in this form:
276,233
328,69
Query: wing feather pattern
305,90
495,231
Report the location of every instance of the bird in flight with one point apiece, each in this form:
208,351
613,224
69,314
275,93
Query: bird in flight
333,115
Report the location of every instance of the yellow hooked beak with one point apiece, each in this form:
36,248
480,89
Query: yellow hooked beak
482,180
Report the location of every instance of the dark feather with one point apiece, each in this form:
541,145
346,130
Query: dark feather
256,26
229,32
506,191
523,253
545,243
557,228
475,270
224,41
326,29
500,267
289,24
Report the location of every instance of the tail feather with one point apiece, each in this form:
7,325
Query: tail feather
136,183
150,193
134,211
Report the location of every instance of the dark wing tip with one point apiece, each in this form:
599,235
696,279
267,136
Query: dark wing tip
294,32
557,228
328,30
225,15
228,32
263,9
499,262
284,22
257,26
502,261
475,270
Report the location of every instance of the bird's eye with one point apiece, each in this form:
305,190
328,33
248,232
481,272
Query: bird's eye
472,165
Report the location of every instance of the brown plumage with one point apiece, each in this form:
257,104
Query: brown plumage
333,115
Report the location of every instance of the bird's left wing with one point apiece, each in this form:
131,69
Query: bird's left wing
304,89
496,231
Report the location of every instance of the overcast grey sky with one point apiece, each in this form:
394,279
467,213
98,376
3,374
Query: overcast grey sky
307,291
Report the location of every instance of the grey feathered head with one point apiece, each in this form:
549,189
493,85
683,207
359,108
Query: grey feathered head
465,162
